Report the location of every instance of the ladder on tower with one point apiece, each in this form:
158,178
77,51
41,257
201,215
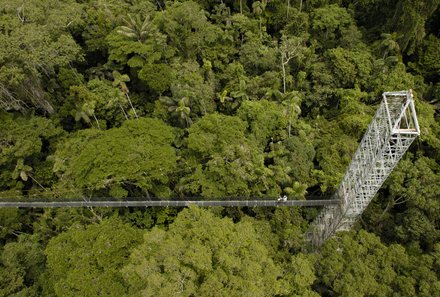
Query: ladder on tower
390,133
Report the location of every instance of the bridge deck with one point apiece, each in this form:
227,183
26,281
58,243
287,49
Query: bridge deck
164,203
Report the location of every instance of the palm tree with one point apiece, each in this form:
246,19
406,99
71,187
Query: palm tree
389,44
120,81
183,110
24,172
259,8
291,102
136,29
85,106
179,108
86,111
241,93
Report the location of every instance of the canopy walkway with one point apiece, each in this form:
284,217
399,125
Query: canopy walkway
163,203
389,135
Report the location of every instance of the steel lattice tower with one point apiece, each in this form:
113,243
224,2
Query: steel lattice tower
390,133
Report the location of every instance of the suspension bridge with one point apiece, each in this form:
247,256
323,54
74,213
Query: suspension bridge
51,203
389,135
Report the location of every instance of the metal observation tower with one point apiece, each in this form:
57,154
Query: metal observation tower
391,132
389,135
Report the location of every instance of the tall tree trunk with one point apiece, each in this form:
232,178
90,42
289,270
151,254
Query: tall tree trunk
129,101
97,123
284,73
289,129
261,33
123,111
37,182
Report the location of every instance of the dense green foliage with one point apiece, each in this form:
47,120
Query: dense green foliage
212,99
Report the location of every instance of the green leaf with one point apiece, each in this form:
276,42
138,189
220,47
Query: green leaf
23,175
